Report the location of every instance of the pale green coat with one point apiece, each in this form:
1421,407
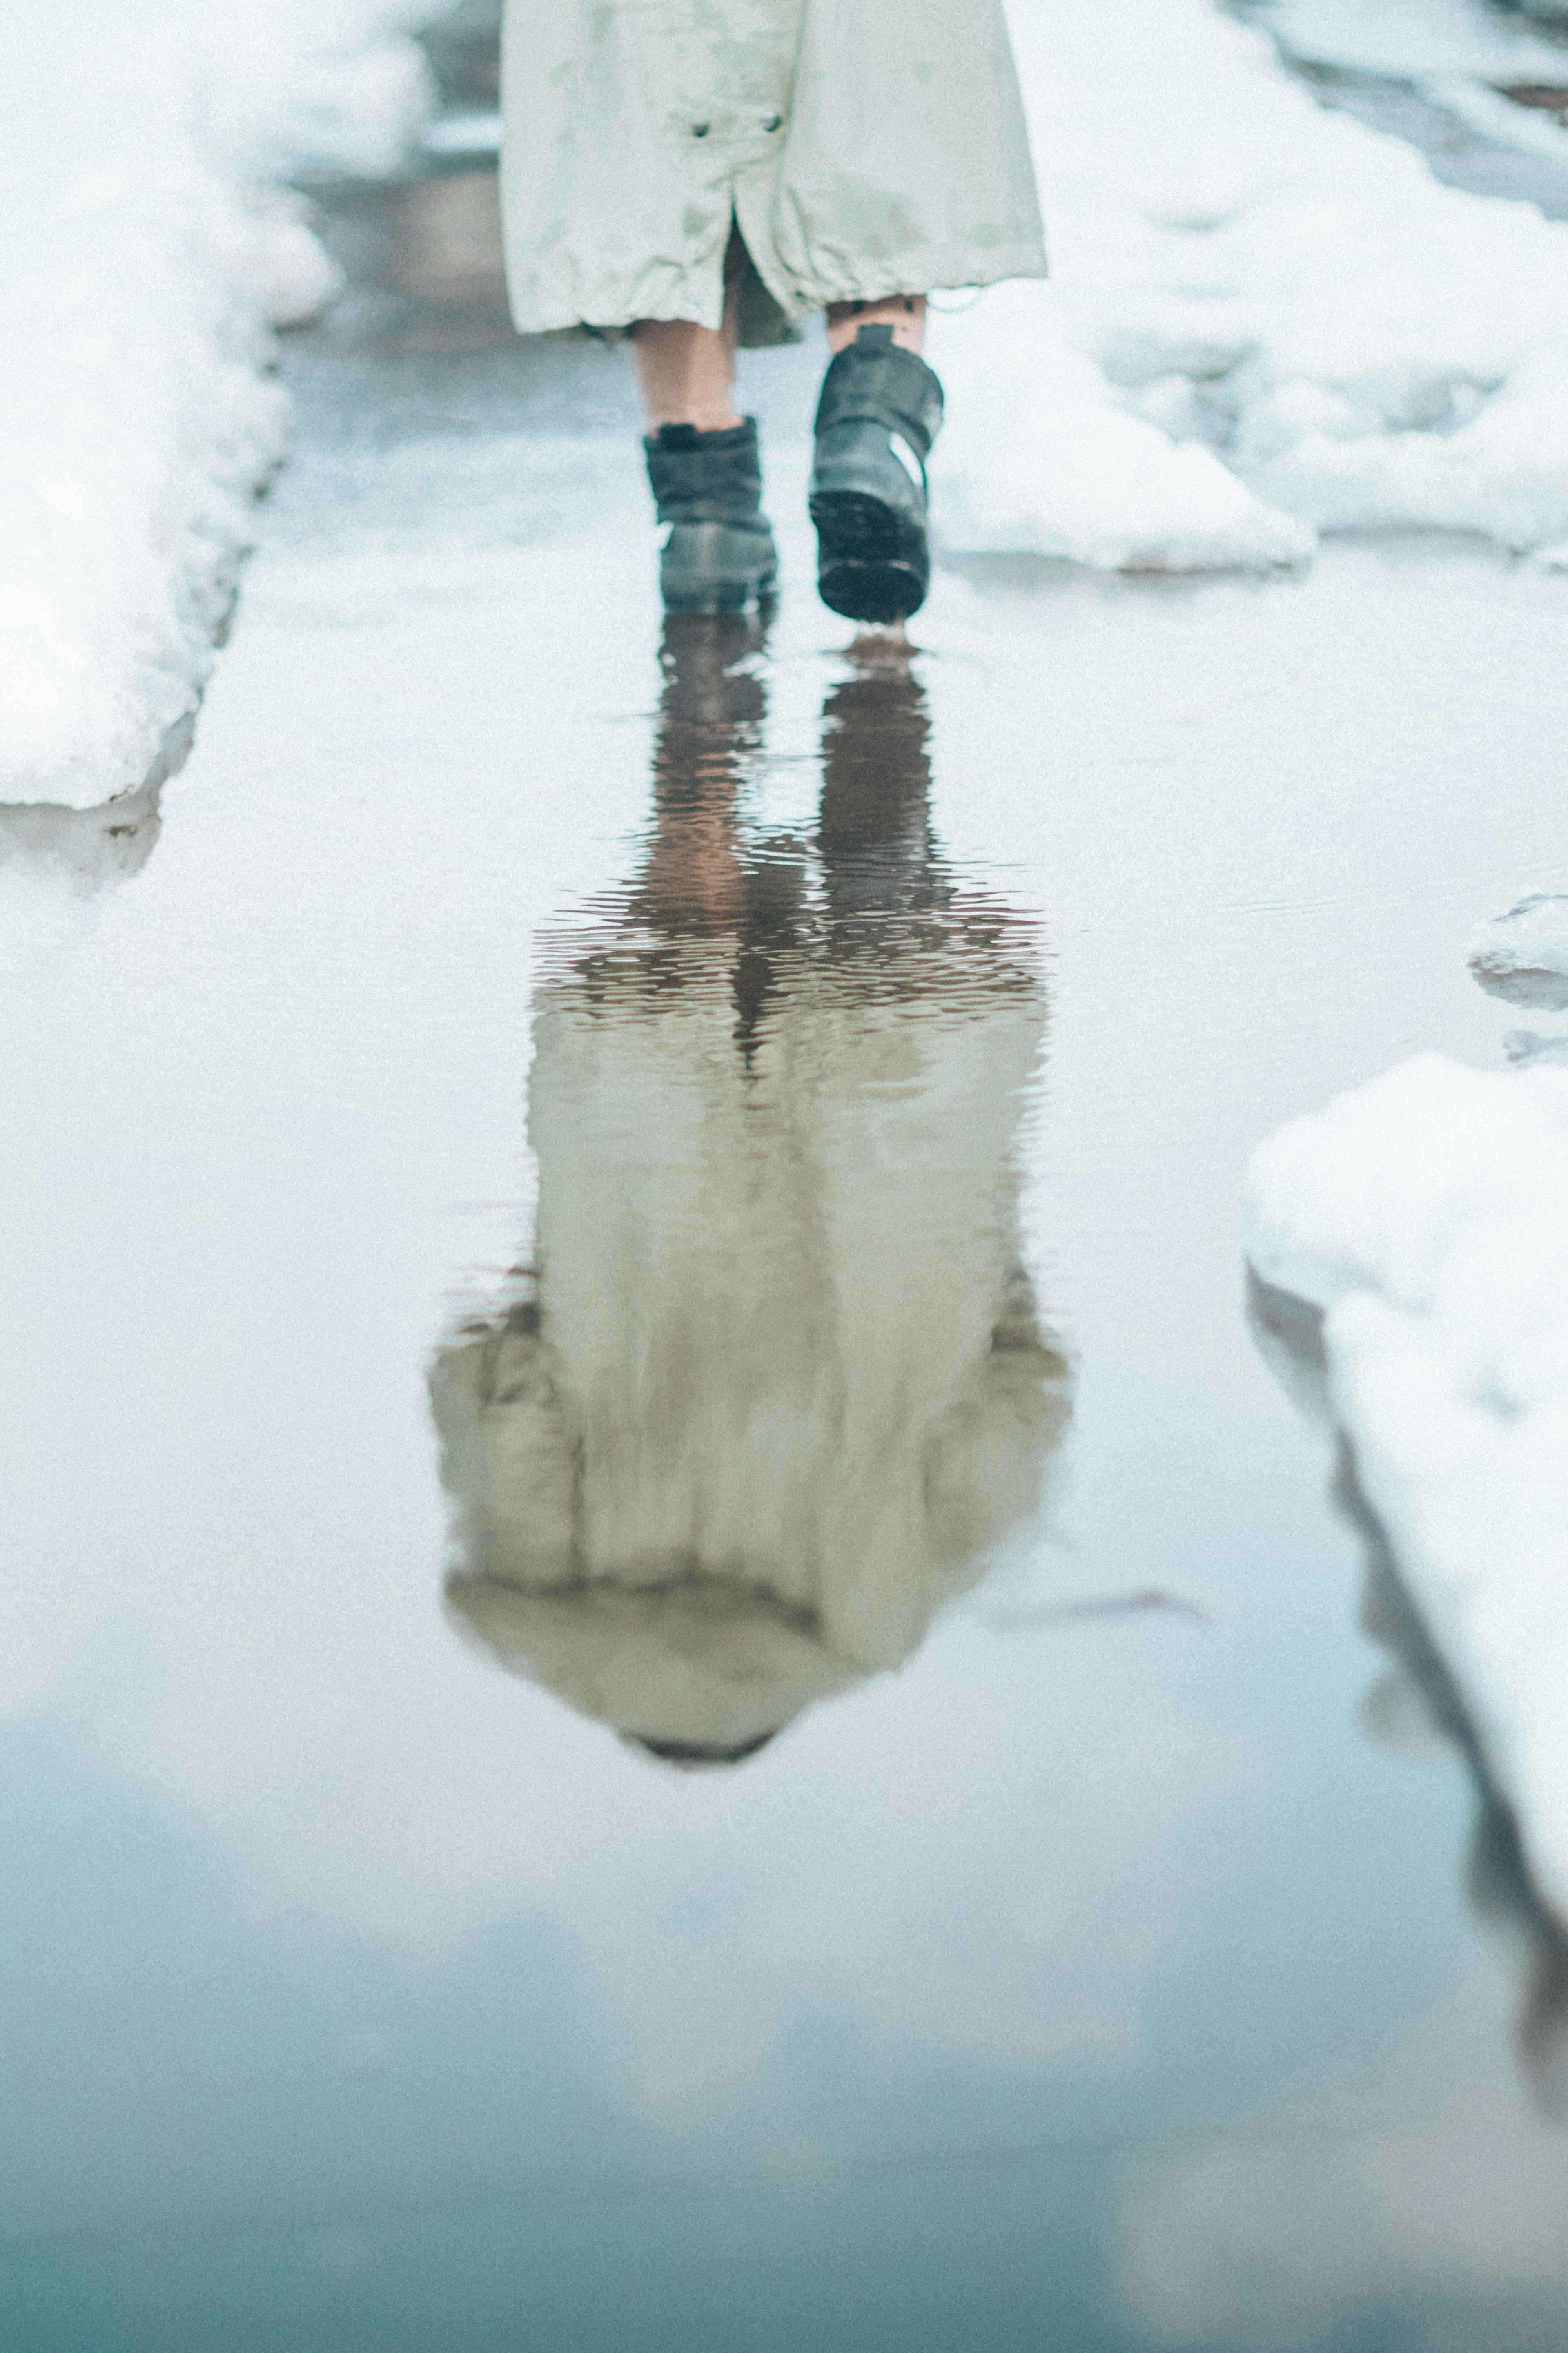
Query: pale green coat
865,147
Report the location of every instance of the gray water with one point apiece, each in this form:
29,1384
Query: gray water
804,1091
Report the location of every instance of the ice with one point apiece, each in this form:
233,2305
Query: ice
1427,1216
144,261
1523,956
1265,321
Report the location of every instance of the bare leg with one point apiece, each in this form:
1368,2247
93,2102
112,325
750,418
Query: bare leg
687,373
905,313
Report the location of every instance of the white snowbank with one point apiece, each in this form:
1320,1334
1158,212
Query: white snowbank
142,265
1427,1216
1266,320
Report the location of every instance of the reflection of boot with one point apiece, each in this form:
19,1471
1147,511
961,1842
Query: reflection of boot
879,413
719,554
877,849
711,681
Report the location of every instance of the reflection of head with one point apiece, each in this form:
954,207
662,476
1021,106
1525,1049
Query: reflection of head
778,1387
1288,1331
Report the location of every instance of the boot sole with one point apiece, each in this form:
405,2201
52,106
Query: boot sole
873,562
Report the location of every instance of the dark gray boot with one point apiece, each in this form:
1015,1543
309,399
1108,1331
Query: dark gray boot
719,554
879,413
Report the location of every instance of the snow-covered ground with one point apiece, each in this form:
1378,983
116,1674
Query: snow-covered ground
145,260
1427,1216
1266,319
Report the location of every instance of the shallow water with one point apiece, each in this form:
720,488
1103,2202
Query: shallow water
773,1114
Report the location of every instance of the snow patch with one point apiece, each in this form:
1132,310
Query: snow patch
1523,956
1500,120
1265,321
1427,1216
1403,42
1067,472
144,262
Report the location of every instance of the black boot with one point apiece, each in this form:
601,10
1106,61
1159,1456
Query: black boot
719,554
879,415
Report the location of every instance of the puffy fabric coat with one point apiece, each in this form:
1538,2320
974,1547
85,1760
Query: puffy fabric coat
864,147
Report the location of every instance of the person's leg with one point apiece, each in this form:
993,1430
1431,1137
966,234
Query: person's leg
905,313
703,462
686,373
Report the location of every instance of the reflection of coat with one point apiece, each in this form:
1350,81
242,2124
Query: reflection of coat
783,1386
865,147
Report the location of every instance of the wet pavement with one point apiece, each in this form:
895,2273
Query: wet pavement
673,1675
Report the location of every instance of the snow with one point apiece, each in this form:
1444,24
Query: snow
1427,1216
1266,320
144,261
1420,44
1502,121
1523,956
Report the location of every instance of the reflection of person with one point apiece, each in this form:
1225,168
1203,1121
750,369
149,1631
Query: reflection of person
703,172
779,1386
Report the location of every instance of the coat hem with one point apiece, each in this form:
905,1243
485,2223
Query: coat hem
795,302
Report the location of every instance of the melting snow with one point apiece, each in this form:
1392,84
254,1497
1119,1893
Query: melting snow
1267,321
1437,38
1523,956
1426,1215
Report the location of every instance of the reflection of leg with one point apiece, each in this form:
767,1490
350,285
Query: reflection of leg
876,780
878,416
702,460
710,730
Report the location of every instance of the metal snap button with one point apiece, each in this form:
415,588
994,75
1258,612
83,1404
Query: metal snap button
701,129
772,122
